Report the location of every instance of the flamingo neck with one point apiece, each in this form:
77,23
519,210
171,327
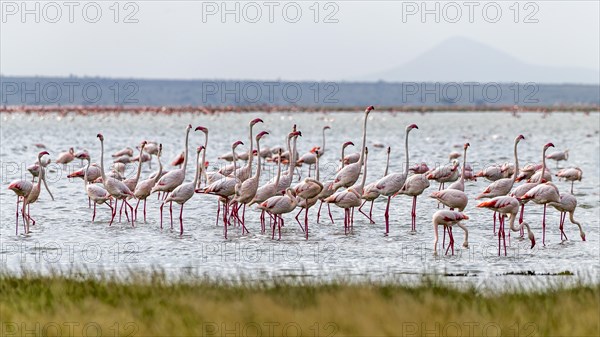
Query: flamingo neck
251,151
85,174
387,164
364,140
160,168
102,161
343,149
258,169
364,177
139,169
185,159
290,168
197,170
543,165
234,160
462,174
202,170
317,164
514,178
278,171
406,152
323,148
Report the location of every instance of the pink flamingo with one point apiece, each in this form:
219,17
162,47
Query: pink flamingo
371,193
506,205
328,189
414,186
460,184
350,198
246,191
570,174
278,205
348,175
307,193
184,192
393,182
66,157
558,156
127,151
245,172
502,186
420,168
178,160
444,174
95,192
115,187
543,194
202,168
265,192
286,179
520,191
171,180
310,158
567,204
225,189
144,188
448,219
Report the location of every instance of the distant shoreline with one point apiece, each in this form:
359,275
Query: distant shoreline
99,109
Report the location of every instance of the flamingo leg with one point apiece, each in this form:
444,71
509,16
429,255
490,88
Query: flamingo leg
161,214
89,202
387,216
121,211
244,220
572,181
544,226
114,212
306,221
171,212
136,207
181,220
371,212
262,221
225,208
502,219
218,212
352,219
298,221
363,213
280,225
330,216
109,205
414,214
319,212
273,226
17,216
94,215
144,210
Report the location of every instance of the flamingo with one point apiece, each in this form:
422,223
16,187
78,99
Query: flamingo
392,183
420,168
127,152
184,192
246,191
178,160
448,219
491,173
414,186
174,178
327,187
307,193
543,194
310,158
66,157
453,155
96,193
520,191
92,174
502,186
82,155
451,198
570,174
144,188
444,174
202,168
567,204
151,149
371,193
460,184
286,179
132,182
33,196
246,171
278,205
348,175
559,156
224,188
22,188
526,172
506,205
266,191
115,187
350,198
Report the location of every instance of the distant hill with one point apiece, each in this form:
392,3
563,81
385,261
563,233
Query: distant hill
460,60
106,91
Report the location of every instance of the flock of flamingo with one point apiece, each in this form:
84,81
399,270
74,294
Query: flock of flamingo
237,187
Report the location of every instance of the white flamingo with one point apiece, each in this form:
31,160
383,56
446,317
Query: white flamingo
144,188
96,193
245,172
572,174
414,186
307,193
328,189
567,204
371,193
310,157
266,191
393,182
460,184
278,205
543,194
448,219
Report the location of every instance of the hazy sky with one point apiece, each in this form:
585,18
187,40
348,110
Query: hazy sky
187,39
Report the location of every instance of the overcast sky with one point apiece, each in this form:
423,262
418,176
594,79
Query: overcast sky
188,40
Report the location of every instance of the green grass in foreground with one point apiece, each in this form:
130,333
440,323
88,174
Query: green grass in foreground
150,306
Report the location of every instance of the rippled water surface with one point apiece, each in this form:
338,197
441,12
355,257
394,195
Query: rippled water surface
64,236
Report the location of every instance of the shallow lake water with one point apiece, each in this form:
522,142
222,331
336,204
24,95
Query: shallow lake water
64,237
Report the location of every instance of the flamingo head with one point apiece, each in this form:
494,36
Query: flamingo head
519,138
100,136
71,150
202,128
144,143
200,148
256,120
410,127
297,133
239,142
159,149
41,154
389,149
369,108
327,127
466,146
315,149
464,216
262,134
346,144
548,146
